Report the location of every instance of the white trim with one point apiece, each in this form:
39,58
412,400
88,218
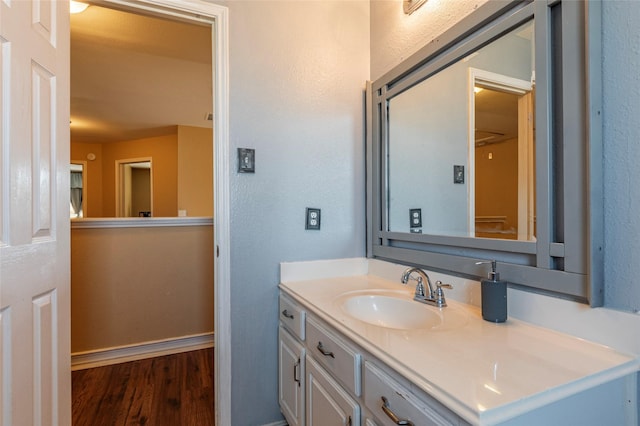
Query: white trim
199,10
120,354
280,423
140,222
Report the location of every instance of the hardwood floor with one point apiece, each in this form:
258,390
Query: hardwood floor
172,390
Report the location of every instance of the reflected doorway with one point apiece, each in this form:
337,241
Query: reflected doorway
502,157
134,184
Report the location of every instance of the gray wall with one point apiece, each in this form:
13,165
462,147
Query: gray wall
297,78
621,87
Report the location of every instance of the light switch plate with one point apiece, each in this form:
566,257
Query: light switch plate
458,174
246,160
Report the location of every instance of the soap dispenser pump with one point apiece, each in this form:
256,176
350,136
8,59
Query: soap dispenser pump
494,296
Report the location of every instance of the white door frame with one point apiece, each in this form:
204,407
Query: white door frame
200,10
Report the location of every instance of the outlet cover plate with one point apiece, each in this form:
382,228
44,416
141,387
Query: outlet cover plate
313,219
415,219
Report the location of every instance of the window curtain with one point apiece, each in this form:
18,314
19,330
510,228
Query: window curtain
76,192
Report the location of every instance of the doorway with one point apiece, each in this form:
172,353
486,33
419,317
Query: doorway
215,16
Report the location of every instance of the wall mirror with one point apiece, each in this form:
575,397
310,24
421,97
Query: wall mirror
484,145
455,142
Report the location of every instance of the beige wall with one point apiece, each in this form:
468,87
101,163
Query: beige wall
497,184
163,151
195,170
135,285
182,172
92,204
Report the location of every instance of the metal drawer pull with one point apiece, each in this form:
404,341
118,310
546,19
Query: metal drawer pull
392,415
323,351
287,314
295,372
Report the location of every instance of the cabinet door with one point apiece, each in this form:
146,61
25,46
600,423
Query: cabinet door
327,402
291,378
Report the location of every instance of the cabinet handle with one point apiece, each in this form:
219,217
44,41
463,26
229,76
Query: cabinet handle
323,351
295,372
287,314
392,415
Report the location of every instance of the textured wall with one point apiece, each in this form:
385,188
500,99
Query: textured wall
297,78
621,87
396,36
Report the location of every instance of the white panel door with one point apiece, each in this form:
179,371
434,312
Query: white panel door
34,213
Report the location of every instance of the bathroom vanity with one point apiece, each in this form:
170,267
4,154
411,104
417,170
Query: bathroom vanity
357,350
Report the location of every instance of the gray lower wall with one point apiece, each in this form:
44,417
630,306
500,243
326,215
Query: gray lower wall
297,79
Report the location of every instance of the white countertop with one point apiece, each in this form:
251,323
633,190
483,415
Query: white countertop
484,372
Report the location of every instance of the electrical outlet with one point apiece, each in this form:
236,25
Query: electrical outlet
313,219
415,220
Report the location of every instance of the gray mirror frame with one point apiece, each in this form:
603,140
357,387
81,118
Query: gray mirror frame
566,260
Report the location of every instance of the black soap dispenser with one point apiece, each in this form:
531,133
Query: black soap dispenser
494,296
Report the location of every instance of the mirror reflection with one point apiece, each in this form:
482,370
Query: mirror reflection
461,146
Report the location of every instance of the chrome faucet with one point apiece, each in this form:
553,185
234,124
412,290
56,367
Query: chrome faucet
435,298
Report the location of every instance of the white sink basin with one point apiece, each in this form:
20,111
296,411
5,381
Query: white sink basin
396,310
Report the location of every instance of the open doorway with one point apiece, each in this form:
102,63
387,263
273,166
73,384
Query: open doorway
97,131
501,156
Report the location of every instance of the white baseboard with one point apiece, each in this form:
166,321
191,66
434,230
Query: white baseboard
116,355
281,423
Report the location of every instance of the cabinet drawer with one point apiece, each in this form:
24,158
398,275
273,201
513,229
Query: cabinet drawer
292,316
380,390
342,361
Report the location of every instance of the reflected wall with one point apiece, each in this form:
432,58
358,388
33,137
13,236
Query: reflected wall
182,172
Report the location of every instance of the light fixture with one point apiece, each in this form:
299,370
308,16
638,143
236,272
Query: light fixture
77,6
410,6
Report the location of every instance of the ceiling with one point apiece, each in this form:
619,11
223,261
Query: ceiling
135,76
496,116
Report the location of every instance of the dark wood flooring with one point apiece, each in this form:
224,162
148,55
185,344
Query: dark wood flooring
172,390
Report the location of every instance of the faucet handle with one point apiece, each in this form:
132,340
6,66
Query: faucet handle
440,286
420,290
440,300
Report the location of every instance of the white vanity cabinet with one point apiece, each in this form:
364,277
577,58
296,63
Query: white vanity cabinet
321,380
291,362
327,402
291,365
392,403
